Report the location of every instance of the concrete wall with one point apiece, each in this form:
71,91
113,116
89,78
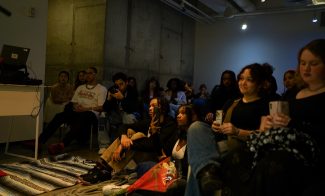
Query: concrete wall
75,38
25,29
274,38
145,38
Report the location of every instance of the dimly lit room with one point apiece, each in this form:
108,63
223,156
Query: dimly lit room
162,97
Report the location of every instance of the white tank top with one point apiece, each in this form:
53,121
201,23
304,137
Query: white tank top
180,153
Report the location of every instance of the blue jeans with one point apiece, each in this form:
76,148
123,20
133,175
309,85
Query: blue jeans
202,150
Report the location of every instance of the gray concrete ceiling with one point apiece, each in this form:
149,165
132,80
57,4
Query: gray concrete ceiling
209,11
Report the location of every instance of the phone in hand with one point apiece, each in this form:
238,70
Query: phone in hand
113,90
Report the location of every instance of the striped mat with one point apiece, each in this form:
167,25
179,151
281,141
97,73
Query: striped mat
43,175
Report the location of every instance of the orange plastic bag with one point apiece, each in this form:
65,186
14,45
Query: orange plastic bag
158,178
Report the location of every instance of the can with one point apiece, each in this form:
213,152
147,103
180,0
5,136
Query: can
218,119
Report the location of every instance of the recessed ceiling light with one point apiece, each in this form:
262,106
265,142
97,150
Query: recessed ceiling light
244,26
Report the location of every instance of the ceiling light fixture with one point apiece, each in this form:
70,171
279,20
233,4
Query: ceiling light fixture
315,19
244,26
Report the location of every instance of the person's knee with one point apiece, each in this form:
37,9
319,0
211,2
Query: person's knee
197,128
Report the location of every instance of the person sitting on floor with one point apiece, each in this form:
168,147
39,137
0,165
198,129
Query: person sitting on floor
212,169
87,102
289,156
144,145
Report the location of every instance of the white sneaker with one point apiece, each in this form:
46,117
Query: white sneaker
101,150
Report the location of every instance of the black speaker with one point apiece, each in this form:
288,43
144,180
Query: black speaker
322,19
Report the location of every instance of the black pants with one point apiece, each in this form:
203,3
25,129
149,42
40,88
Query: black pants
80,126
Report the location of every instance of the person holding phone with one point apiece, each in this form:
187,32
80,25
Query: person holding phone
292,158
122,107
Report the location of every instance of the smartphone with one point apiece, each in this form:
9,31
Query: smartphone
113,90
279,107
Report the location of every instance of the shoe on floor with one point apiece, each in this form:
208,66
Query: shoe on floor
55,149
101,151
97,174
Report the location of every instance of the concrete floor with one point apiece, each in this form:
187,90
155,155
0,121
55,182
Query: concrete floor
21,149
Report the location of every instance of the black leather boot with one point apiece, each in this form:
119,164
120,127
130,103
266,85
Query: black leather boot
209,179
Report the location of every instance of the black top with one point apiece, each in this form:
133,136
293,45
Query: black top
307,116
290,94
248,115
219,96
164,139
130,104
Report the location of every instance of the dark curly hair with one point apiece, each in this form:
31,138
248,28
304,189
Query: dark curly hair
260,73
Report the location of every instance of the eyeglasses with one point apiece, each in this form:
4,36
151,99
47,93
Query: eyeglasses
90,73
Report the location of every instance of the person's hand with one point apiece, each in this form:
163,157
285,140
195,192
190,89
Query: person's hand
229,129
154,124
280,120
266,123
118,95
209,117
216,127
274,121
126,142
79,108
117,153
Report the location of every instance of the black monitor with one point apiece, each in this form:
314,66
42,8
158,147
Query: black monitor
14,57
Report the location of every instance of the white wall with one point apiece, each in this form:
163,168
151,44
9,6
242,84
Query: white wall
22,30
274,38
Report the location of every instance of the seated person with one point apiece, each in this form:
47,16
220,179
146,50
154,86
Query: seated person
242,117
151,90
87,102
122,107
220,94
175,94
292,160
202,96
291,85
186,115
80,80
271,86
160,137
60,94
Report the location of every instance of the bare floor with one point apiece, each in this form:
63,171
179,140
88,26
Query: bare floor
21,148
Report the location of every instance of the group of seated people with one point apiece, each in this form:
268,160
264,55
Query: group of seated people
250,153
